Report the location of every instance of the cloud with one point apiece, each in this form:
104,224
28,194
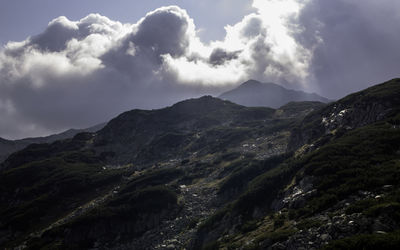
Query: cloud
79,73
354,43
219,56
260,46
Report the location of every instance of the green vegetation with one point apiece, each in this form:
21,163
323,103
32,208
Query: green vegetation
212,221
211,246
277,235
42,184
247,171
263,189
345,166
153,178
125,217
227,157
49,189
37,152
296,108
308,223
387,241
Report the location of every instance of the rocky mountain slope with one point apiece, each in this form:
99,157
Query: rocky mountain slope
8,147
210,174
256,94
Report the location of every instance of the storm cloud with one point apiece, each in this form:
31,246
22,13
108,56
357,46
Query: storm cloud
355,44
79,73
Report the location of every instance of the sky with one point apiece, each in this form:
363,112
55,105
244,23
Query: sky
74,64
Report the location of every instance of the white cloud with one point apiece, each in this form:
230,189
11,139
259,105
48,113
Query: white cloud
260,46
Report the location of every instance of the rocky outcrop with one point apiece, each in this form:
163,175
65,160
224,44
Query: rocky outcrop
354,111
337,223
296,196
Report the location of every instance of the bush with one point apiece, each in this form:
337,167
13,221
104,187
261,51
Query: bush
367,242
345,166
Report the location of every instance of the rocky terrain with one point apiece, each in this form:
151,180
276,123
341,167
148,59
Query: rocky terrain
210,174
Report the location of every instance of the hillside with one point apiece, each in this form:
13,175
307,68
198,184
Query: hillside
201,126
256,94
8,147
339,189
210,174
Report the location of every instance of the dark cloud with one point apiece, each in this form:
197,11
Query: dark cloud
354,42
220,56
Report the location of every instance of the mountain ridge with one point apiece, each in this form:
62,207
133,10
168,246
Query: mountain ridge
7,147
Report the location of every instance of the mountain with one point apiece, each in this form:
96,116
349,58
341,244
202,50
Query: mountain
196,126
339,190
256,94
211,174
128,167
8,147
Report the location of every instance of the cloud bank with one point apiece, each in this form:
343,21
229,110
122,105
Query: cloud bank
79,73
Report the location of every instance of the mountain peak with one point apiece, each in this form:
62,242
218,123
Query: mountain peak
254,93
251,82
204,101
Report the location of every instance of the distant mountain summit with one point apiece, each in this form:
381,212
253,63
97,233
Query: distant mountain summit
254,94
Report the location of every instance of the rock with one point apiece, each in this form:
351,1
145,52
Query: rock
326,237
278,246
387,187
